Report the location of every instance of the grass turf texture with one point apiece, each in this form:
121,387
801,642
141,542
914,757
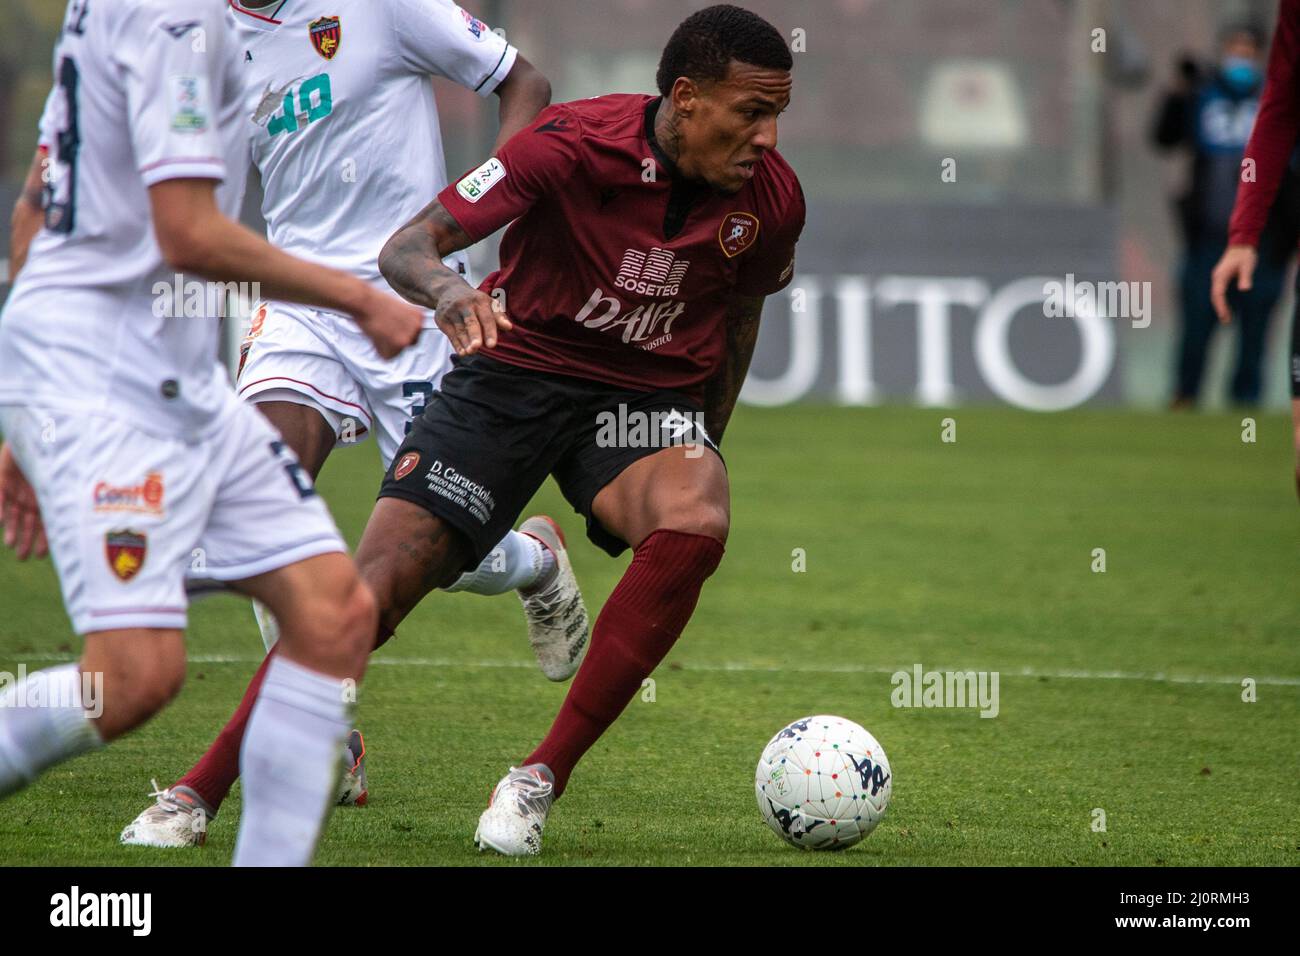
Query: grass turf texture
970,555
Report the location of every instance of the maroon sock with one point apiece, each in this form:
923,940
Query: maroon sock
218,769
639,624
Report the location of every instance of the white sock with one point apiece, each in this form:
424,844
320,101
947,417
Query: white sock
518,561
291,764
42,722
267,624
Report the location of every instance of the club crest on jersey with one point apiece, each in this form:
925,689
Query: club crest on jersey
125,551
326,35
406,465
737,233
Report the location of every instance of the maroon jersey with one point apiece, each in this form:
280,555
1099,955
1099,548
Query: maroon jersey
614,274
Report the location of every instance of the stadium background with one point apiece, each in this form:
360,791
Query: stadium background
1123,685
1054,175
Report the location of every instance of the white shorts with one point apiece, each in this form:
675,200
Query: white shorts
322,360
133,518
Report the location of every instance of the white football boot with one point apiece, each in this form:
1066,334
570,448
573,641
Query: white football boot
179,817
352,788
512,823
557,618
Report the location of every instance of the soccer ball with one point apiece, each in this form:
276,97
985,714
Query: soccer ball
823,783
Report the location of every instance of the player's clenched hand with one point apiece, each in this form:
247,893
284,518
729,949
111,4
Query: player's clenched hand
471,320
1236,266
389,323
24,531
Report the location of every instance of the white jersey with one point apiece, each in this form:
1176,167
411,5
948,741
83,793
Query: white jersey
145,91
346,127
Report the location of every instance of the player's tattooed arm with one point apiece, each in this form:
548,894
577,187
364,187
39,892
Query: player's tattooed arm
28,214
722,391
412,263
411,260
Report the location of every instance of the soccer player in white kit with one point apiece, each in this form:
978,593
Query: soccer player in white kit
345,135
147,468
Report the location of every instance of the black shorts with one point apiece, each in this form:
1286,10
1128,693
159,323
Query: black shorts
493,432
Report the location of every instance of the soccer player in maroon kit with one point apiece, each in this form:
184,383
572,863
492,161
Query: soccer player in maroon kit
1272,143
646,233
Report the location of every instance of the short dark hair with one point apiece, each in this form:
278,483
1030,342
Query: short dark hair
706,42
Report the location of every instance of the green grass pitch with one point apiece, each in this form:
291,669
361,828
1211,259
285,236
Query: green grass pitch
1120,691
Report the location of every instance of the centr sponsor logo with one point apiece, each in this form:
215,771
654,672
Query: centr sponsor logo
143,498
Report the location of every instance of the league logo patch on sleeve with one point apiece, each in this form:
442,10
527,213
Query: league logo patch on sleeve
737,233
474,186
189,103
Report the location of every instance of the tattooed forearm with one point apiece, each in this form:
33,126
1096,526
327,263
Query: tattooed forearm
411,260
722,391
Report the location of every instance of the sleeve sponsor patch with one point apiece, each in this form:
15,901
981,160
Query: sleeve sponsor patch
189,103
476,185
475,26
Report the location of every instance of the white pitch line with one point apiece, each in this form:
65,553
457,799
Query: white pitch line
1158,677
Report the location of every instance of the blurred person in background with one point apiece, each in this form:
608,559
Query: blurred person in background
1209,113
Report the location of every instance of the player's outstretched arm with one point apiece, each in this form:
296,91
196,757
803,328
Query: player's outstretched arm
28,215
195,236
722,391
412,263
